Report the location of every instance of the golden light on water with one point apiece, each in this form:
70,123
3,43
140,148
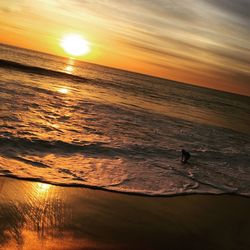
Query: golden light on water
75,45
63,90
69,68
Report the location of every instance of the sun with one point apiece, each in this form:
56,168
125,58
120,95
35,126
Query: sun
75,45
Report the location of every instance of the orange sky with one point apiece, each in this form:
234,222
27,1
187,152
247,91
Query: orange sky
203,42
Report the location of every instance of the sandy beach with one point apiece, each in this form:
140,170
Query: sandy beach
35,215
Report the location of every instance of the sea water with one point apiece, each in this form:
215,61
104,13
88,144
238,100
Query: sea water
68,122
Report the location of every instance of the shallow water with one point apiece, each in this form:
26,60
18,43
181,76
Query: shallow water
73,123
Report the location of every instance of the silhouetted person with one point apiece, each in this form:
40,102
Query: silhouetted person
185,155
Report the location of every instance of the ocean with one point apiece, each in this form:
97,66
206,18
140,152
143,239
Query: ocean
68,122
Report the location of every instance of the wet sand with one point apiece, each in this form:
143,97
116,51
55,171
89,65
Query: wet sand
34,215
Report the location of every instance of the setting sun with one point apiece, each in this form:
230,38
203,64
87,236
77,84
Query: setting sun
75,45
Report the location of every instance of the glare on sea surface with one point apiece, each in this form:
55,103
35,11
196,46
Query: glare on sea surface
63,90
75,45
69,68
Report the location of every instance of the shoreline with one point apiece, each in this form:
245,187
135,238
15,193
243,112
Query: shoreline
139,194
35,215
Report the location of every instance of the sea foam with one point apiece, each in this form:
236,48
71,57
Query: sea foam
115,130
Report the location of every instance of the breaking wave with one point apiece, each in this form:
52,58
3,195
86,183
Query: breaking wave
119,131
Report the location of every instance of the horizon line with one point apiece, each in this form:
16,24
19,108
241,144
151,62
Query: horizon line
129,71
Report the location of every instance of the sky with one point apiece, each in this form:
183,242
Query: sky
203,42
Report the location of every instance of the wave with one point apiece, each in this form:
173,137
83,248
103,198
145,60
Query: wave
135,169
188,190
39,70
46,146
85,147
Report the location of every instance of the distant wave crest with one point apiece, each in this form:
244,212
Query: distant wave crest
39,70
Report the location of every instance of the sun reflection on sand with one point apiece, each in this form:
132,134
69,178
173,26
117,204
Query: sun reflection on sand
41,189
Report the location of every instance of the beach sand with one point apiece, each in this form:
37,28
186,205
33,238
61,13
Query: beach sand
34,215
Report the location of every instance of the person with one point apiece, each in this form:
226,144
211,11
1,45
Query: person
185,156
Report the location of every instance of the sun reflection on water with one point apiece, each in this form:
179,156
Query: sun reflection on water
69,68
63,90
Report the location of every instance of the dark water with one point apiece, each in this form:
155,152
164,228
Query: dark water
75,123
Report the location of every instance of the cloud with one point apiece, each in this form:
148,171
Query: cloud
12,6
239,8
